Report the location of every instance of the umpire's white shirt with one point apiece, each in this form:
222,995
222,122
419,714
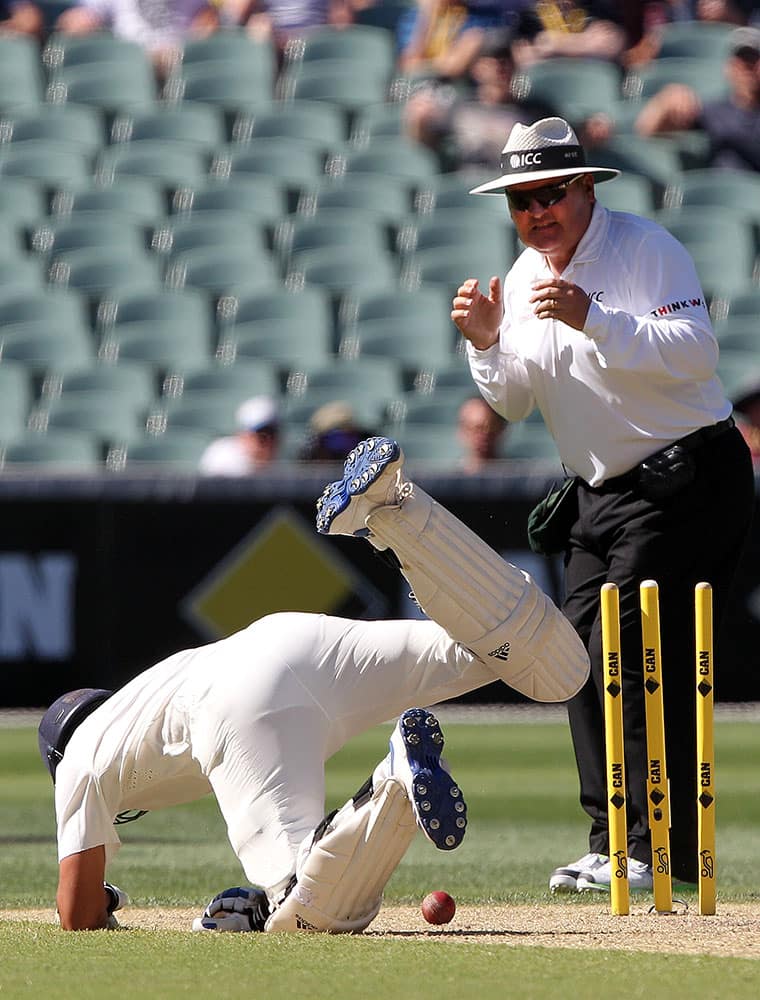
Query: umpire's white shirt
639,376
252,718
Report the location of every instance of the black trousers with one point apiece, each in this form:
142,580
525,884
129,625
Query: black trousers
619,537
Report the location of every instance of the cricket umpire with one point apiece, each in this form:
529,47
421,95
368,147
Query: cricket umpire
602,324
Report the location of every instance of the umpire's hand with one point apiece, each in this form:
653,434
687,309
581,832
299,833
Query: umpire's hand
478,318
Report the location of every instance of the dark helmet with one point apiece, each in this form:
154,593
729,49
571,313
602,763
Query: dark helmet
62,718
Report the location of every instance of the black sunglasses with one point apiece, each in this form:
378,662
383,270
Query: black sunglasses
546,196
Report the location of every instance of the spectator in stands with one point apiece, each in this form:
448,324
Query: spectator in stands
732,123
443,38
480,431
588,30
17,17
646,21
278,21
334,430
255,445
469,131
161,26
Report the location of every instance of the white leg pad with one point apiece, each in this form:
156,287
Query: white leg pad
340,881
490,606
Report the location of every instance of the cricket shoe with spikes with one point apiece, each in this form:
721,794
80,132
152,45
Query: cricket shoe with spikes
416,745
371,479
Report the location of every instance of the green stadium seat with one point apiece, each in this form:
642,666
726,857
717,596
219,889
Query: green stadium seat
47,161
289,329
210,230
378,121
238,380
628,193
174,450
112,87
107,415
12,239
256,197
294,163
159,312
343,270
449,266
388,155
43,346
213,414
388,198
230,86
377,380
63,50
722,246
694,38
573,87
360,45
20,274
454,228
705,75
21,77
217,270
314,121
163,350
437,408
735,191
197,125
741,307
89,231
452,374
656,158
429,446
170,163
740,335
231,46
56,451
368,409
22,200
138,197
341,83
16,394
80,127
414,327
131,382
19,307
329,228
100,272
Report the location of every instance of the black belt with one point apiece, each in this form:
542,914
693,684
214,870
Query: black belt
691,442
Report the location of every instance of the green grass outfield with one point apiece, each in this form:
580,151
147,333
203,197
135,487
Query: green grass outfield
521,788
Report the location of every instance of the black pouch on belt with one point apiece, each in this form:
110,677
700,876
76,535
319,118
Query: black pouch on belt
666,473
550,520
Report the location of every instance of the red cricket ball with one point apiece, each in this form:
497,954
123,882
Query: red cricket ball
438,907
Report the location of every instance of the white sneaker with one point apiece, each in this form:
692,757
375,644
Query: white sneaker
598,880
565,879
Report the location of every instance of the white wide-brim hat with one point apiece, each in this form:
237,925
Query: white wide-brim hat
547,149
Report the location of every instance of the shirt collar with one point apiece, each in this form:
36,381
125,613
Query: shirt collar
592,241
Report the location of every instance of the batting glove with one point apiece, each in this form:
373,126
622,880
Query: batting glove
238,909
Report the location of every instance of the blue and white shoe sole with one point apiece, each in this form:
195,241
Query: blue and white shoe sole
437,799
364,464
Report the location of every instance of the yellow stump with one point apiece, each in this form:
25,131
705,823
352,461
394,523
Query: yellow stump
613,737
705,748
658,793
